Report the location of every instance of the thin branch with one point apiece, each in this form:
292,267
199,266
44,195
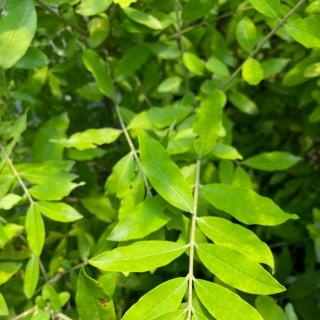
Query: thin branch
132,147
263,42
193,238
143,92
62,316
5,86
25,313
62,19
16,174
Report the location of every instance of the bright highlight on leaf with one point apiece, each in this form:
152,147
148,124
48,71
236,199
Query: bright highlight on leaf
252,72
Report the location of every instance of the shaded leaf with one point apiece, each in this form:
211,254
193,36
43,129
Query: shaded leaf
269,8
31,276
92,7
7,270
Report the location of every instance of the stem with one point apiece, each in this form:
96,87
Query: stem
62,19
62,316
5,85
25,313
132,147
193,238
16,174
263,42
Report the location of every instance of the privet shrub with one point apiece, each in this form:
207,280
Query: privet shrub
153,152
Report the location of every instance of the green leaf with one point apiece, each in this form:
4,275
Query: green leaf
314,116
122,175
49,293
142,220
170,85
305,31
4,311
237,270
7,270
90,138
35,230
54,189
272,161
9,201
223,151
217,67
269,309
98,68
174,315
93,303
269,8
208,121
34,58
165,298
252,72
154,20
43,148
194,64
273,66
232,308
124,3
246,34
99,29
245,205
243,103
164,174
139,257
58,211
17,27
31,277
92,7
234,236
41,315
100,206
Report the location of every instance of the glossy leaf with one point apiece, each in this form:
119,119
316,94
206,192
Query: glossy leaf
164,174
208,121
217,67
232,308
164,298
237,270
268,8
144,219
193,63
34,58
234,236
9,201
17,30
90,138
252,72
93,303
243,103
35,230
223,151
98,68
272,161
246,34
4,311
170,85
174,315
58,211
139,257
245,205
7,270
92,7
31,276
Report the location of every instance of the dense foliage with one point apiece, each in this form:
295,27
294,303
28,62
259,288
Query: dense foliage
160,159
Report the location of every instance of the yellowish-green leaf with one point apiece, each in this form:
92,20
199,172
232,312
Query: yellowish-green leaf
58,211
245,205
269,309
99,29
269,8
246,34
164,174
224,151
93,303
31,277
305,31
252,72
90,138
142,220
165,298
35,230
208,121
124,3
17,27
243,103
217,67
234,236
98,68
232,308
237,270
170,85
139,257
9,201
193,63
92,7
7,270
272,161
100,206
174,315
4,311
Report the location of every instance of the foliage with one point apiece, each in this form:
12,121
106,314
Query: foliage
159,159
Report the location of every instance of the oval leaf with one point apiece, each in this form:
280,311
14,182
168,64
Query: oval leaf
232,308
164,298
252,72
92,7
31,277
237,270
164,174
139,257
269,8
245,205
